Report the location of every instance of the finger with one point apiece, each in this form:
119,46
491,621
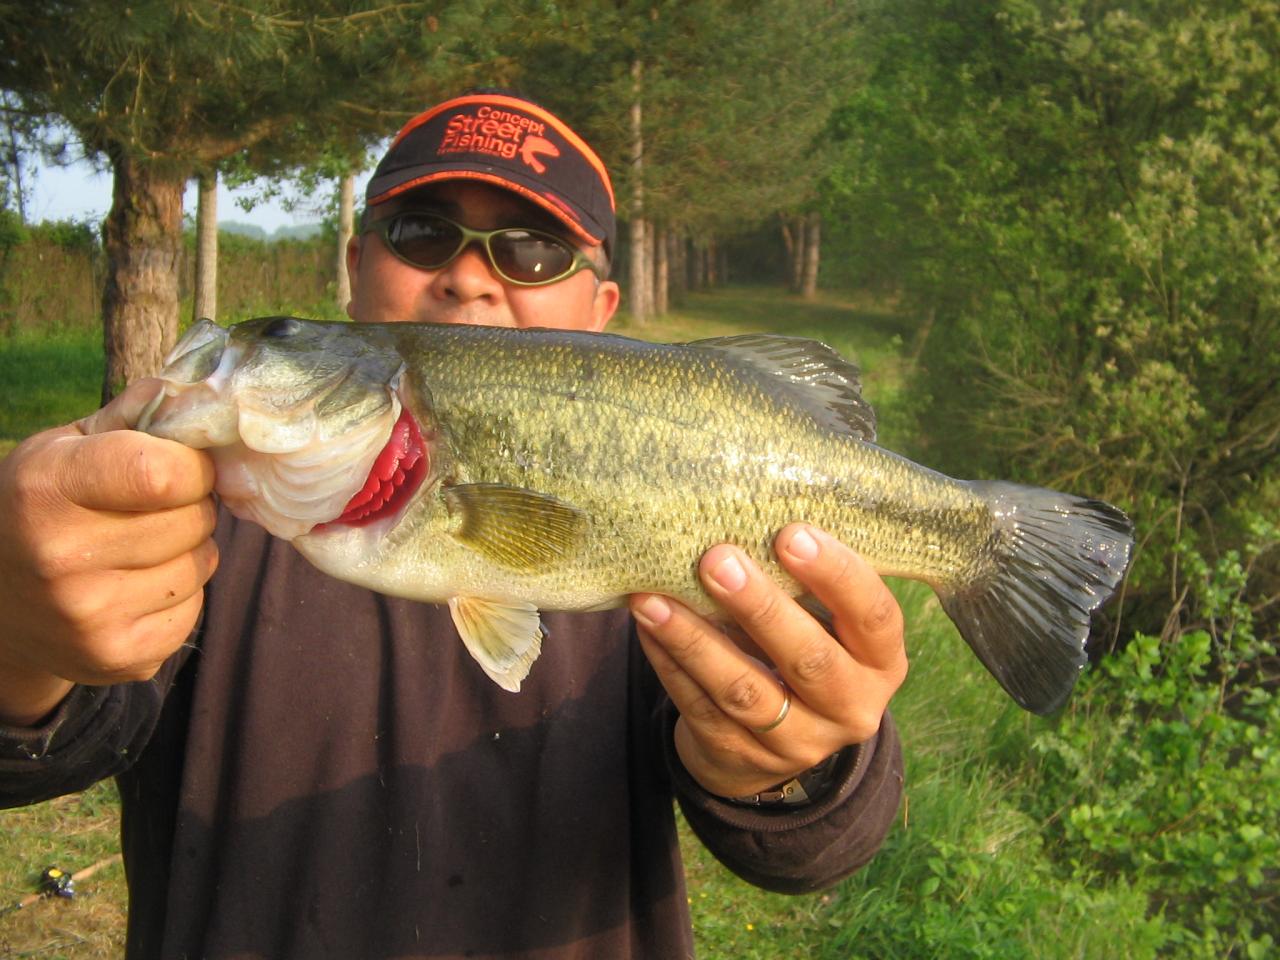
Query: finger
138,653
102,604
174,582
144,540
865,613
130,471
122,413
812,662
717,681
718,751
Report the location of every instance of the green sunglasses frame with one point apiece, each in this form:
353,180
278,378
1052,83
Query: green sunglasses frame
469,236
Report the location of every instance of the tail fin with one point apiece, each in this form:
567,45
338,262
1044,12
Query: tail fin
1055,559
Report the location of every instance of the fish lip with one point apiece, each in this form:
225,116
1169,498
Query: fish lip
197,354
405,444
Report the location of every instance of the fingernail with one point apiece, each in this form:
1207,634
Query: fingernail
729,573
653,612
803,546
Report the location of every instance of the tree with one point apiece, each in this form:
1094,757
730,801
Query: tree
162,90
709,113
205,301
346,225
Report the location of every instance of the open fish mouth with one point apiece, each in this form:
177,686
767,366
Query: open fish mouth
395,476
302,436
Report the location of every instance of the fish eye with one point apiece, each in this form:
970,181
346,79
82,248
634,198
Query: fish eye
281,327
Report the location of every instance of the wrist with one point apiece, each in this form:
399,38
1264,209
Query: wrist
27,697
805,787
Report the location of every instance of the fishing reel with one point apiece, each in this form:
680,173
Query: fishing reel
55,882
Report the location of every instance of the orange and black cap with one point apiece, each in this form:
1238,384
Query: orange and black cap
503,139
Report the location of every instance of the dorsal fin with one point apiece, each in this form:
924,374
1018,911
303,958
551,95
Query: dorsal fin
824,383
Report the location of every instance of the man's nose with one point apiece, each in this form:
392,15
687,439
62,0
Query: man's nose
468,276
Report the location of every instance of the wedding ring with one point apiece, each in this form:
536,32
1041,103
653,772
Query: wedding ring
782,713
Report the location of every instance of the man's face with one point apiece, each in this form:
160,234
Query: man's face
466,290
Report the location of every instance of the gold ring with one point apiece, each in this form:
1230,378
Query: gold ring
782,713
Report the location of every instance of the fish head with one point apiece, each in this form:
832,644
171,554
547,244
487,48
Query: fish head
302,419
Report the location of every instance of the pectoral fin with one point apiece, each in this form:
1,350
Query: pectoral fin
517,528
504,638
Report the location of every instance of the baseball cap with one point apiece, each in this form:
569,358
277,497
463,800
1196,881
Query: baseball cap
506,140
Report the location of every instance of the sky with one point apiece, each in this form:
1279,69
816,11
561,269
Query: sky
77,192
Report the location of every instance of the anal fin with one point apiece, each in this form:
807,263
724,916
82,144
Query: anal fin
504,638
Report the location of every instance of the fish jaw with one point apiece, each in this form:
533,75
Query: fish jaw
193,407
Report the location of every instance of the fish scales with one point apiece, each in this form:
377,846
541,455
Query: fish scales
705,445
511,471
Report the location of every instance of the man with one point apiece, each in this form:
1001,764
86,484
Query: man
319,771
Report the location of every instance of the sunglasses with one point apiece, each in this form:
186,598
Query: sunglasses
526,258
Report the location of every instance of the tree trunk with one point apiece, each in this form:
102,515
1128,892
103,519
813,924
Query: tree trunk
812,235
142,237
346,224
679,267
639,293
206,293
661,272
697,266
15,160
793,239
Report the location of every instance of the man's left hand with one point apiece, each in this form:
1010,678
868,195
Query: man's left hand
729,700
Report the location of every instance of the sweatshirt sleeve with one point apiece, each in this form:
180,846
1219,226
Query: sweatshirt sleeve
95,733
810,847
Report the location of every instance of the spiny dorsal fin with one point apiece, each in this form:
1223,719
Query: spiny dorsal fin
824,383
517,528
504,638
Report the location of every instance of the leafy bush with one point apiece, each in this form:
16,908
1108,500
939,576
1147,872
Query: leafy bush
1080,199
1166,770
67,235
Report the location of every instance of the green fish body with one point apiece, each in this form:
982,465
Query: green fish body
508,471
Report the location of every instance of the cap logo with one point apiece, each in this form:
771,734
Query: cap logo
498,133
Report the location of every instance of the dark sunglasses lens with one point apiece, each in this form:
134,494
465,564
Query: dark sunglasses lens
530,257
423,239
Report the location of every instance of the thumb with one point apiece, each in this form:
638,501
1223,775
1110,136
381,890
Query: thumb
123,412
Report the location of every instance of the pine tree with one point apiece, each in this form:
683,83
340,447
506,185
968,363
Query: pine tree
164,89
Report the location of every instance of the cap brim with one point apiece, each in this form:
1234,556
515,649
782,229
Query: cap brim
390,185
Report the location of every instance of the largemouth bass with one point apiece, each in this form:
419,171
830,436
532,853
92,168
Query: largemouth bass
507,471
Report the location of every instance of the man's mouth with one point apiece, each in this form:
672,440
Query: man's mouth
395,476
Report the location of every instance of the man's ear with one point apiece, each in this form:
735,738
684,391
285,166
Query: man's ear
605,304
353,269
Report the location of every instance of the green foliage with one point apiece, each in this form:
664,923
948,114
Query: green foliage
723,147
70,236
12,230
1166,770
144,79
969,873
1083,197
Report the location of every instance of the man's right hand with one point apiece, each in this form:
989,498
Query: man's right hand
105,548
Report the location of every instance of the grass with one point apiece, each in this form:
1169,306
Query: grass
71,833
47,378
963,874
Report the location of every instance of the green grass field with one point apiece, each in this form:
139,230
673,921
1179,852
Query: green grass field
964,873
